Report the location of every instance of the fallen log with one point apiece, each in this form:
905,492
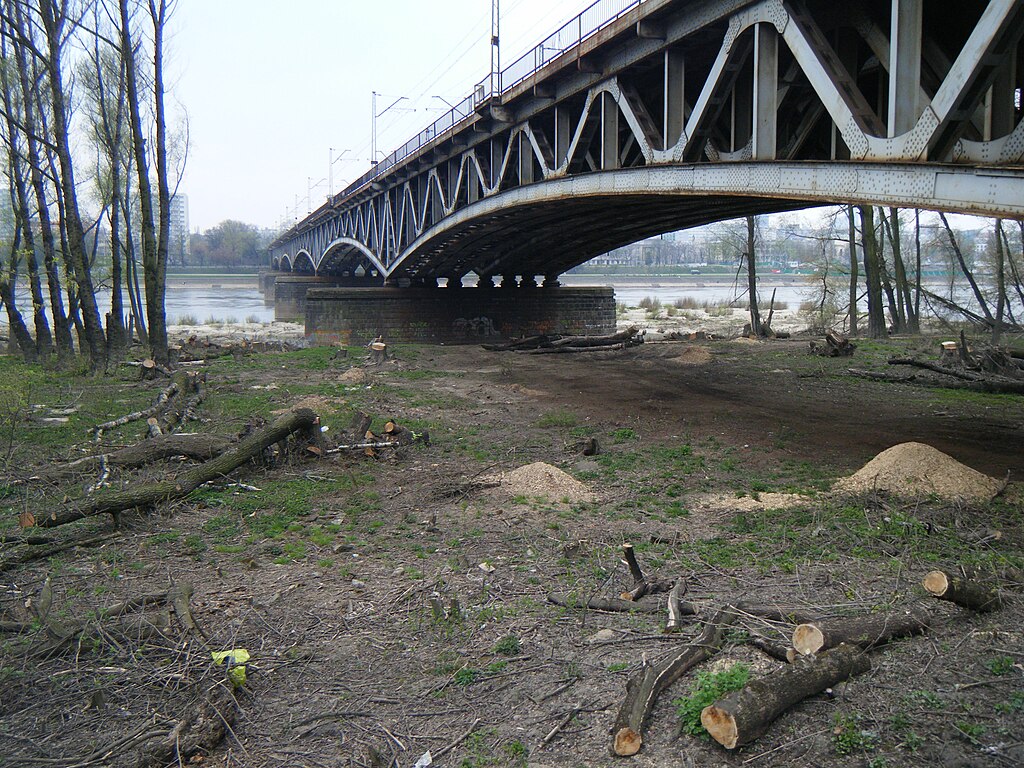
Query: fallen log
301,421
629,334
742,716
612,604
985,382
643,688
967,593
198,447
529,342
860,631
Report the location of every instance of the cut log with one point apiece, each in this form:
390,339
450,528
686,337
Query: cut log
675,606
643,688
861,631
629,334
836,345
302,421
612,604
967,593
743,715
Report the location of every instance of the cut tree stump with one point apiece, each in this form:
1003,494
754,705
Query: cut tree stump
301,420
643,689
743,715
861,631
967,593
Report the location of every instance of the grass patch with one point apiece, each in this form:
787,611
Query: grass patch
706,690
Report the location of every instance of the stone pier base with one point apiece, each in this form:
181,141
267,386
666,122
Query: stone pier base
290,288
454,315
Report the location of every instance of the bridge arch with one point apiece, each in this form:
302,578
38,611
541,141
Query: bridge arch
285,263
347,254
574,218
303,263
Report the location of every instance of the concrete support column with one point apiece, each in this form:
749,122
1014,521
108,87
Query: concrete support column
675,98
766,91
609,132
905,66
562,137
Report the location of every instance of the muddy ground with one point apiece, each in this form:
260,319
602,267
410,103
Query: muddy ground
397,605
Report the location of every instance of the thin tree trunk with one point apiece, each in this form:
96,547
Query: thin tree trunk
917,264
997,329
755,312
854,276
28,75
872,272
967,272
54,27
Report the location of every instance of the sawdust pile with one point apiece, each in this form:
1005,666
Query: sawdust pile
693,356
916,469
540,479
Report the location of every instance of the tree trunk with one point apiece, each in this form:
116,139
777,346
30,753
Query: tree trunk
964,268
862,631
157,328
755,312
54,28
854,277
742,716
872,273
28,77
997,329
643,689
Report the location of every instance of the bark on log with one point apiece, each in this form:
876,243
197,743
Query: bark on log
743,715
301,420
198,447
984,382
613,604
643,689
861,631
629,334
967,593
675,606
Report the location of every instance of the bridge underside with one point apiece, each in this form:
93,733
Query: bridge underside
549,238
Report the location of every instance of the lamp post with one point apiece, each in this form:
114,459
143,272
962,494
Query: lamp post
373,127
331,160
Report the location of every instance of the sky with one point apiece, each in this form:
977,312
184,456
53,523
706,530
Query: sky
269,88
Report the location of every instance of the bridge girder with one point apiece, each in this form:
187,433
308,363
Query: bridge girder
731,108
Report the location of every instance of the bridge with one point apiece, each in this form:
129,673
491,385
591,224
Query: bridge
645,116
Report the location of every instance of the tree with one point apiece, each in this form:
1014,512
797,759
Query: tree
154,229
872,272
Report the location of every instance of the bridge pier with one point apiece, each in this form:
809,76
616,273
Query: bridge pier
267,277
458,316
290,289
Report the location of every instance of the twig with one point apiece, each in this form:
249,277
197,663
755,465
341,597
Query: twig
445,750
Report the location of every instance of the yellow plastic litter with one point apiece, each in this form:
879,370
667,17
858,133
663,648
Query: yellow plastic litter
235,659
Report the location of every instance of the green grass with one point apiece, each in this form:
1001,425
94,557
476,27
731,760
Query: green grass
707,688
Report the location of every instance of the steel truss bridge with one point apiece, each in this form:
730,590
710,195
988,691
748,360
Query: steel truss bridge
645,116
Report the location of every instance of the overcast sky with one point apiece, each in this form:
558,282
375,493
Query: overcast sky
269,87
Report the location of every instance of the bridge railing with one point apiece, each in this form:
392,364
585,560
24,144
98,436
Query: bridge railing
591,20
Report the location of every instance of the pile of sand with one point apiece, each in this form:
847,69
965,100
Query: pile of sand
915,469
540,479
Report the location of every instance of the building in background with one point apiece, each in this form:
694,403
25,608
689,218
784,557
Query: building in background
179,246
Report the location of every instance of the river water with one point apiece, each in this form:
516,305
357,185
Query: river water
241,300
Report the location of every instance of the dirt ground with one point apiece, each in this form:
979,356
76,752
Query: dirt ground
398,605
